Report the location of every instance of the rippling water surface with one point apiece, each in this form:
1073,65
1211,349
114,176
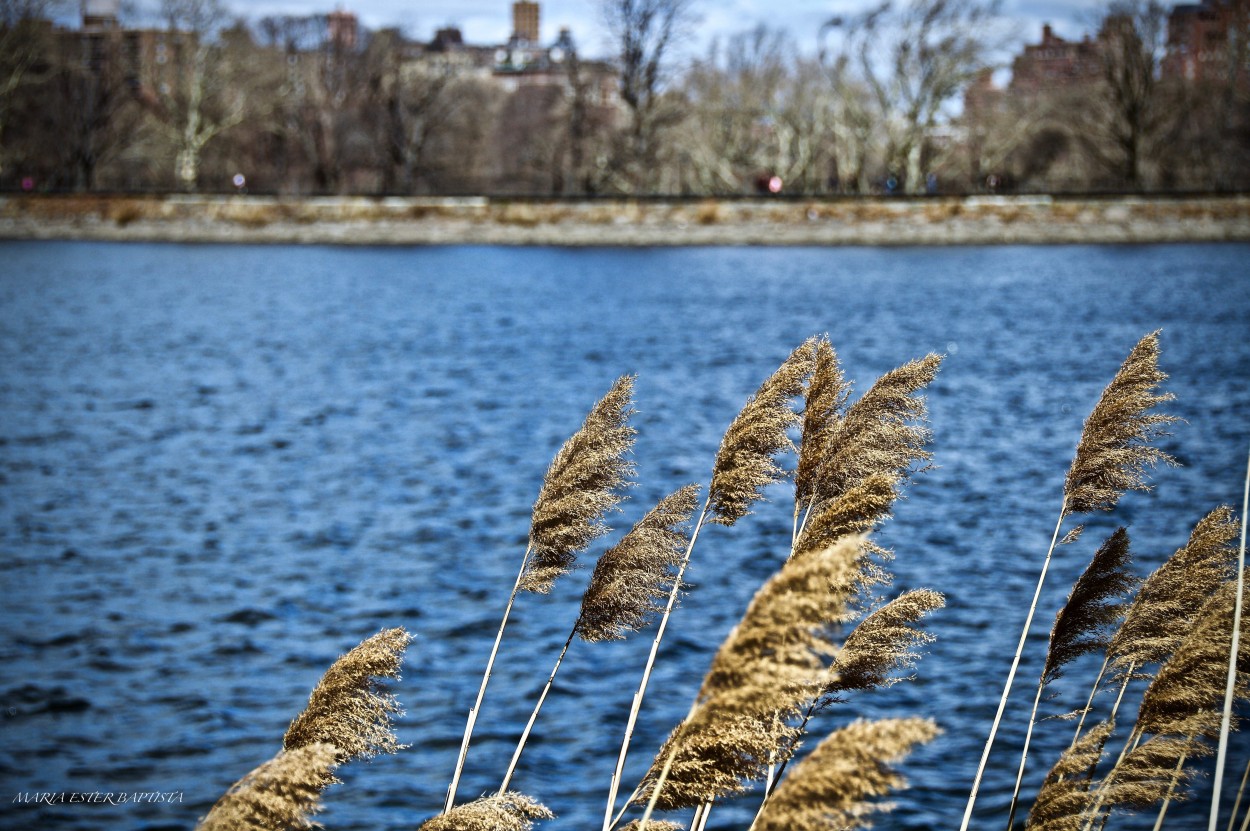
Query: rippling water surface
222,467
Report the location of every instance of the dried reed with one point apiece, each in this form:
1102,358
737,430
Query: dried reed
347,708
632,578
746,461
1231,677
1081,627
881,434
745,464
1111,457
499,812
582,484
580,487
281,794
625,589
1115,450
1064,799
347,717
832,787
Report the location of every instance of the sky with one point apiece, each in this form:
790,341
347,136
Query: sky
490,21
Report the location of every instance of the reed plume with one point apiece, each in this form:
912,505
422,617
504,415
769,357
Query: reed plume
632,578
1082,626
746,461
722,746
883,644
881,434
1150,773
348,708
1187,693
281,794
1095,604
625,589
834,785
1115,450
773,667
582,484
1111,457
824,402
856,510
1064,800
782,641
744,466
1158,618
509,811
653,825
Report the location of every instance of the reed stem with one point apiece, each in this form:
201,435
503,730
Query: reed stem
481,693
1024,756
1167,800
1089,705
1226,723
646,673
1011,675
1240,792
516,756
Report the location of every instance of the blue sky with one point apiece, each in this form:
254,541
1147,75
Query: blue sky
489,21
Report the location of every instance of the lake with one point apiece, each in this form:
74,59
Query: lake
223,466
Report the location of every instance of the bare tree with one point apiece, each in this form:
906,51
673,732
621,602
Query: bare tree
1126,117
198,100
25,42
912,61
756,111
645,32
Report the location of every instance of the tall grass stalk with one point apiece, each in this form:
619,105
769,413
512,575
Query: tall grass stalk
636,705
1080,627
481,691
1226,722
581,485
1111,458
1241,791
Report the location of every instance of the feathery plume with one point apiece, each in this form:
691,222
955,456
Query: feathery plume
628,585
1064,800
883,643
1152,772
281,794
580,487
347,708
1158,618
509,811
883,433
1081,627
1110,458
723,745
745,463
781,644
824,401
857,510
1188,691
834,785
1094,605
1115,450
653,825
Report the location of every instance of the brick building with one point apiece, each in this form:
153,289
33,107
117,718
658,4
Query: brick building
1208,41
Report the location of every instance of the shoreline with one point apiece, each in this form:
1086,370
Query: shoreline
869,221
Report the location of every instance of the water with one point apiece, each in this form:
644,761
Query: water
222,467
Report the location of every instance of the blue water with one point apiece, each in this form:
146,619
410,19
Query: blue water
222,467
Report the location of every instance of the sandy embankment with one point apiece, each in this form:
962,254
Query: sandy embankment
500,221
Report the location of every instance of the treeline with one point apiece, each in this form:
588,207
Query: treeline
290,105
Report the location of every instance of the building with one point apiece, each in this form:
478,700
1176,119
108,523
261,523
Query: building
1055,63
1208,41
